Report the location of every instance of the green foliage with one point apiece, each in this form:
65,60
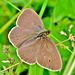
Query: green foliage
64,8
57,15
35,70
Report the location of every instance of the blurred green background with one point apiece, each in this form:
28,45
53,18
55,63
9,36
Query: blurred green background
57,15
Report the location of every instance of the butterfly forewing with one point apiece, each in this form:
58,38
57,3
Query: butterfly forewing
30,20
28,53
20,35
49,56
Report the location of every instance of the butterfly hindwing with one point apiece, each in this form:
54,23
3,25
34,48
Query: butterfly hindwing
48,55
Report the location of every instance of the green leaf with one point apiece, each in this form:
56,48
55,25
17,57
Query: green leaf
35,70
46,72
46,22
51,3
2,73
18,69
64,8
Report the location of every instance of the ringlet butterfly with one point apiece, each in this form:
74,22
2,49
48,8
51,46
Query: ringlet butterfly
33,44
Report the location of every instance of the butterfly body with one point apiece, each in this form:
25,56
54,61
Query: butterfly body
43,34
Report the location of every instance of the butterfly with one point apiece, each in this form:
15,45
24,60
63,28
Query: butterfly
33,44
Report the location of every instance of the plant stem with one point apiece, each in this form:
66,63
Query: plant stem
11,66
11,21
12,5
8,23
69,63
43,8
6,70
62,44
64,41
10,70
71,69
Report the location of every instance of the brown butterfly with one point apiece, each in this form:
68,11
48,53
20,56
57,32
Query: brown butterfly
33,43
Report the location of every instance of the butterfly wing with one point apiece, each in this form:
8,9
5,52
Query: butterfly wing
20,35
49,56
28,53
29,19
